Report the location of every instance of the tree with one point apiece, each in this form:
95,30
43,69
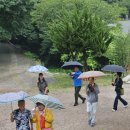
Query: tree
14,15
47,11
119,50
79,32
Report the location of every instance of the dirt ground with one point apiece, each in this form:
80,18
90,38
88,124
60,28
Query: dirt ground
75,118
14,77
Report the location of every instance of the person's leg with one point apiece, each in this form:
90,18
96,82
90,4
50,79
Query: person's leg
116,102
94,110
89,111
76,96
122,100
79,95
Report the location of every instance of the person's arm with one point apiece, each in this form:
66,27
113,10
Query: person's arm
49,116
87,89
12,117
97,91
34,119
31,124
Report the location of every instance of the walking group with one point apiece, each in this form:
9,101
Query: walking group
92,91
43,117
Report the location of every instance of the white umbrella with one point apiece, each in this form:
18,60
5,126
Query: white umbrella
127,78
12,97
48,101
86,75
37,69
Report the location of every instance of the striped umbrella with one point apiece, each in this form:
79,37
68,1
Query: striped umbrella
48,101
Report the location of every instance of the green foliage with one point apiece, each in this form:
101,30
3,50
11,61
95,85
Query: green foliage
14,15
78,32
108,12
31,55
119,50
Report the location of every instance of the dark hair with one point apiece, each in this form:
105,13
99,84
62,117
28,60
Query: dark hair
21,101
40,74
91,78
119,74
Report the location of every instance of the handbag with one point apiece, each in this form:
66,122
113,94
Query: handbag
122,91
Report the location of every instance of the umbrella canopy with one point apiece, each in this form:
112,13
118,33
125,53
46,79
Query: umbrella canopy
48,101
71,65
127,78
37,69
113,68
12,97
89,74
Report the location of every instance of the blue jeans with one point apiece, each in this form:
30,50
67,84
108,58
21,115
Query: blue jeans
118,97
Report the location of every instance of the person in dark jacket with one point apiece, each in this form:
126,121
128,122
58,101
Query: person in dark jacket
77,85
118,85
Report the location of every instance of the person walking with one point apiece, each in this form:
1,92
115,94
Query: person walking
77,85
43,117
92,92
42,84
22,116
118,86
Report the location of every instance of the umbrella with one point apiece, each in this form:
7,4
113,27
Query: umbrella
48,101
71,65
37,69
127,78
113,68
12,97
89,74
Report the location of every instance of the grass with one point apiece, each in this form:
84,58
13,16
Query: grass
63,81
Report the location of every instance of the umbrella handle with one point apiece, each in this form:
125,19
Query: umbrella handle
11,106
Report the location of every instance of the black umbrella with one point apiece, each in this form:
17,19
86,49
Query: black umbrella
71,65
113,68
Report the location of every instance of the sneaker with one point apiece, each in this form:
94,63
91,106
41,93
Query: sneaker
125,106
93,124
113,110
76,104
84,100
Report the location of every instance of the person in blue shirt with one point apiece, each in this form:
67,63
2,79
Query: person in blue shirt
77,85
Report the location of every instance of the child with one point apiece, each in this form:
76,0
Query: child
92,92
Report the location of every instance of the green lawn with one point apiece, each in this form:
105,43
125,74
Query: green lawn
63,81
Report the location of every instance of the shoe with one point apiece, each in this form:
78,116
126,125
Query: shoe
84,100
76,104
125,106
93,124
113,110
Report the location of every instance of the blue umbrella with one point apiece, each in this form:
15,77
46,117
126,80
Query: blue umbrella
113,68
48,101
12,97
37,69
71,65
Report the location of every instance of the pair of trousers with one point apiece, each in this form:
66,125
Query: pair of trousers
118,97
91,110
77,94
